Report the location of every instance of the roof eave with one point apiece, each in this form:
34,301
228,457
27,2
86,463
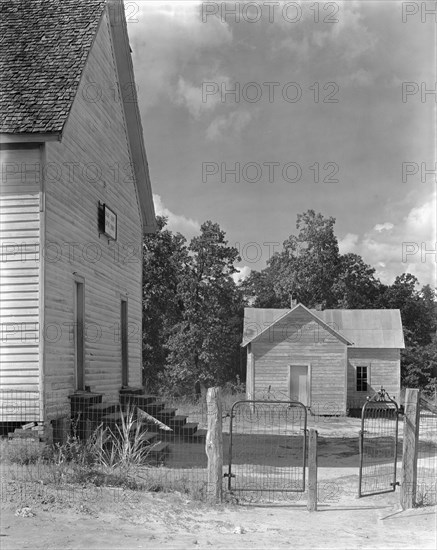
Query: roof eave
29,137
325,325
123,59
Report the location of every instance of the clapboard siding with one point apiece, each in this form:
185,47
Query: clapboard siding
299,339
20,282
95,139
385,371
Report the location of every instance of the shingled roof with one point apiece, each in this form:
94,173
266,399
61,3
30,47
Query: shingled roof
44,46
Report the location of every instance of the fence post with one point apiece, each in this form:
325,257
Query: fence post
214,445
312,471
410,449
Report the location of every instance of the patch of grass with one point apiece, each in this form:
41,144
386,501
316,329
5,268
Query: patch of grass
23,451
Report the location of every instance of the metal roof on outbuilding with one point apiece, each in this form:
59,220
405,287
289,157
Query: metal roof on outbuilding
362,328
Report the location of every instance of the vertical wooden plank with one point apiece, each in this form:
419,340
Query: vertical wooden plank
214,445
410,449
312,471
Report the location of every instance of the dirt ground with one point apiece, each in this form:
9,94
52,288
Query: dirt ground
119,519
38,516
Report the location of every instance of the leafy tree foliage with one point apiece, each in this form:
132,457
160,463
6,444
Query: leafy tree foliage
164,256
308,265
419,367
310,269
204,344
418,318
258,289
192,309
355,286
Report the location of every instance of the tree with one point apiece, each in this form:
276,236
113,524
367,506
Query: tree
308,265
419,367
417,319
356,286
204,344
258,289
164,255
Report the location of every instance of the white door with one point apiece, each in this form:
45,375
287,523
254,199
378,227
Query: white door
299,383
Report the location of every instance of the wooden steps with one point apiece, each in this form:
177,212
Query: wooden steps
137,400
165,415
152,405
89,411
188,429
98,411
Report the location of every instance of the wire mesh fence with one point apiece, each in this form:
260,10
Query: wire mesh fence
426,489
378,446
267,449
137,441
144,442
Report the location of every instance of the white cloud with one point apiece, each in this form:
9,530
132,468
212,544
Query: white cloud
176,222
225,126
196,99
168,38
349,36
383,227
361,77
399,248
242,274
348,243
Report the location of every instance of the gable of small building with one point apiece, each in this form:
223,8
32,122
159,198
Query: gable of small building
332,342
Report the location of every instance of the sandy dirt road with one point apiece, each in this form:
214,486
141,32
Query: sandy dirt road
145,520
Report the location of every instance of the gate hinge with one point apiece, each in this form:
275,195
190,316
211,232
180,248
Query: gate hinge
228,475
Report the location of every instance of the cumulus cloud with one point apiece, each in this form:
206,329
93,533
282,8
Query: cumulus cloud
383,227
176,222
228,125
361,77
348,243
396,248
349,39
242,274
184,41
198,99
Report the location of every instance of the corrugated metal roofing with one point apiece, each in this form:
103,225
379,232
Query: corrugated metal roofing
44,45
365,328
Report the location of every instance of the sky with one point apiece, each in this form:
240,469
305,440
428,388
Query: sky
255,112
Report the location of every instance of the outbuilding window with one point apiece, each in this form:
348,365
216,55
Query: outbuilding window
362,378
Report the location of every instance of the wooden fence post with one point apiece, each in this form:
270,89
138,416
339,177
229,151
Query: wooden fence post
312,471
214,445
410,449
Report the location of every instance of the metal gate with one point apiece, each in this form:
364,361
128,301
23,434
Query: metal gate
267,447
378,445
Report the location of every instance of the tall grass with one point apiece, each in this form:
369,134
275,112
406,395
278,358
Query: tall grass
107,457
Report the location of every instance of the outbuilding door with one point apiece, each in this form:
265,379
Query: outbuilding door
299,384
